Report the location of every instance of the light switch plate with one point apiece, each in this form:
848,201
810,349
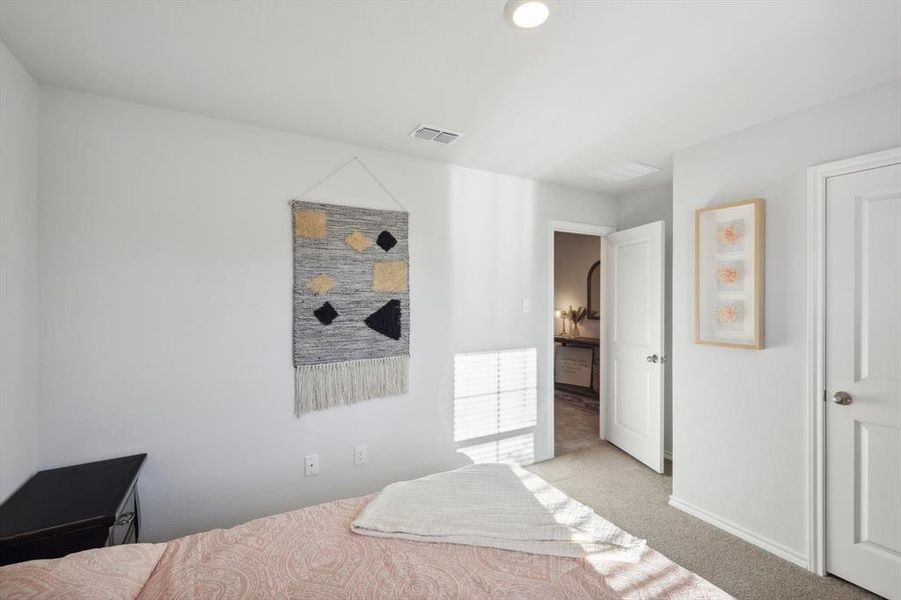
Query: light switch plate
526,305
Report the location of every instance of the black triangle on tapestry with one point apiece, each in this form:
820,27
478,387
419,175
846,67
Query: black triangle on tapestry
386,320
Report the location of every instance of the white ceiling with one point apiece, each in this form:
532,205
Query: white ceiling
600,83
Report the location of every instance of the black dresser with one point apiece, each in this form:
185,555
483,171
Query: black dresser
59,511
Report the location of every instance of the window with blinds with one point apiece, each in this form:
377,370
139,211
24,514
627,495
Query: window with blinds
495,405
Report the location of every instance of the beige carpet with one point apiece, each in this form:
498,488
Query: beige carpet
575,425
624,491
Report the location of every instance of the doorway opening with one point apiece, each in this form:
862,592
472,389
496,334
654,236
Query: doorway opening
577,341
582,405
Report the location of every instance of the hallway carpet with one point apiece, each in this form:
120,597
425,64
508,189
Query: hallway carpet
575,424
632,496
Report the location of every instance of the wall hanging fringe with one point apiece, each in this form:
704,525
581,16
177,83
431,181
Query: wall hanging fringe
318,387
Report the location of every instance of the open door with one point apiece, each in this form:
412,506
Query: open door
634,359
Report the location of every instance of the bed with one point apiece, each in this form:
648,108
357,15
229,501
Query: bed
312,553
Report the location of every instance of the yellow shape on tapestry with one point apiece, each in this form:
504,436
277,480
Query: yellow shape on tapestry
358,241
389,276
320,284
309,224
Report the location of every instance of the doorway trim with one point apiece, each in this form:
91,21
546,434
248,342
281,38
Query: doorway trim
600,231
815,351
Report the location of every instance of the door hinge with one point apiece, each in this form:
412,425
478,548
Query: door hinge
824,395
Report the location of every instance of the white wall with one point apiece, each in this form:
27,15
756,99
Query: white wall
573,256
738,415
639,208
166,305
18,274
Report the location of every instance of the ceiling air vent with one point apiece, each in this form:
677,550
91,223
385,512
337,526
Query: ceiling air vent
623,171
434,134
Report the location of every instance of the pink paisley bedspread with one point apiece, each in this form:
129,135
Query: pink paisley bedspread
103,574
311,553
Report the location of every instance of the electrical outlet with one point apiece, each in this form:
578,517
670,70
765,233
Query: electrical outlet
526,305
361,455
311,465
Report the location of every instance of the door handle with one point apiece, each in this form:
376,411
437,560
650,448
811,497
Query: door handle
842,398
652,358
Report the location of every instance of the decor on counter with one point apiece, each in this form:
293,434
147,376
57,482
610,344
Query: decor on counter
351,304
572,365
562,315
729,270
593,344
576,316
594,292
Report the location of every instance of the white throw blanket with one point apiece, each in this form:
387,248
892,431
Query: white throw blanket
500,506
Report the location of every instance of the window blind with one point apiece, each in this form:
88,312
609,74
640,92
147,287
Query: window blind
495,404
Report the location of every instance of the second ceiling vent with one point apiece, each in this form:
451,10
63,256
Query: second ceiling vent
435,134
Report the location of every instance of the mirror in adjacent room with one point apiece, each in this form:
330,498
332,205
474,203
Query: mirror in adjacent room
594,291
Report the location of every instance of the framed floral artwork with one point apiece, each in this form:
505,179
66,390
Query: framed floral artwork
729,274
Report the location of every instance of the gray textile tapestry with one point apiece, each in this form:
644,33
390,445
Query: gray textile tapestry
351,304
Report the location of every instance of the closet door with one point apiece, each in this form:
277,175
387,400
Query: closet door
863,379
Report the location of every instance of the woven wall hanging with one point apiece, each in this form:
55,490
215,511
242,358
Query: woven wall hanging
351,303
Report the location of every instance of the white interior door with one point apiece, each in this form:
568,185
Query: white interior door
634,359
863,360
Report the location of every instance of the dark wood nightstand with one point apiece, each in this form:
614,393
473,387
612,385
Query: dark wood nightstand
59,511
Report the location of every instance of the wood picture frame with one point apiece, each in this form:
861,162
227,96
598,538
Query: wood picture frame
573,365
729,274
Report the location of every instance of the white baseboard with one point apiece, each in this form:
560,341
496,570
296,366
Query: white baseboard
668,455
540,458
739,531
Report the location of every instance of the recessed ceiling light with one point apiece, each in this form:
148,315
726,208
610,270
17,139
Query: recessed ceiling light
527,14
623,171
